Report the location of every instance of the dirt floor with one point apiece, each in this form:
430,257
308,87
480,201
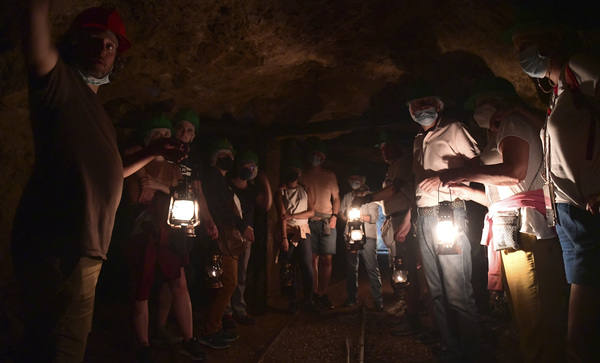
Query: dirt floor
302,337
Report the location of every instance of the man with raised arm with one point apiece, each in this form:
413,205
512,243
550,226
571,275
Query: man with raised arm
65,219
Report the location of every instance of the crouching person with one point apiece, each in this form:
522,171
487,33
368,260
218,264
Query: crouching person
295,206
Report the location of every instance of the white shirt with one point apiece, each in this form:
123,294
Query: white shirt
575,176
446,146
532,221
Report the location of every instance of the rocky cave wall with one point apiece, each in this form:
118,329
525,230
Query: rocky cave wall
265,70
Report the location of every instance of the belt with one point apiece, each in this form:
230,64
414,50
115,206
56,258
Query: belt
432,211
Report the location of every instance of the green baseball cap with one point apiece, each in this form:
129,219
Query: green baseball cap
490,87
189,115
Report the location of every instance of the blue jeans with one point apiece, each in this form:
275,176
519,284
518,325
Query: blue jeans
449,281
300,255
369,258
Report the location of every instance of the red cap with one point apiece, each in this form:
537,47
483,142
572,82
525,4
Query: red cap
103,19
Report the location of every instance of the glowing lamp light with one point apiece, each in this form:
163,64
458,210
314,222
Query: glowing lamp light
354,214
214,271
399,273
400,276
355,231
446,230
356,235
183,208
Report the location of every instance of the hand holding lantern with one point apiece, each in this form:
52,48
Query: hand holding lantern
183,207
446,230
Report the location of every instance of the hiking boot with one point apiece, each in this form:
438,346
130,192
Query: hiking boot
192,349
229,322
350,303
214,341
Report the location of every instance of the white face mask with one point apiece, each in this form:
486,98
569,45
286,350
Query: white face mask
533,63
483,115
355,184
95,81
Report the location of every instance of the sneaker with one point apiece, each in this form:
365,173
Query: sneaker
164,338
214,341
229,322
325,302
144,355
379,307
229,336
192,349
244,320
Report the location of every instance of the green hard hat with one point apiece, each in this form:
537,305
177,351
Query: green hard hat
157,122
220,143
247,156
490,87
189,115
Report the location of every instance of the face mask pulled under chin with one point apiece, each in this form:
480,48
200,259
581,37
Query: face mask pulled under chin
533,63
483,115
224,163
425,117
95,81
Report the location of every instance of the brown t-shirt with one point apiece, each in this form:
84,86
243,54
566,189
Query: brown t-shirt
69,205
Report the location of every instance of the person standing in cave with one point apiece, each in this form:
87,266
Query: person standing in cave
323,235
64,222
369,213
155,247
251,195
294,204
397,201
571,137
234,235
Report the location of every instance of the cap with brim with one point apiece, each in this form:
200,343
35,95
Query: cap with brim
490,87
103,19
187,114
420,89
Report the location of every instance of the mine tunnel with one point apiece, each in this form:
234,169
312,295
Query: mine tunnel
299,181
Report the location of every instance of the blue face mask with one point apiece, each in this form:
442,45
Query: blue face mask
533,63
316,160
426,117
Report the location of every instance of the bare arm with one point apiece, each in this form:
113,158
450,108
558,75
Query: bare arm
136,161
265,197
512,170
40,53
468,193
